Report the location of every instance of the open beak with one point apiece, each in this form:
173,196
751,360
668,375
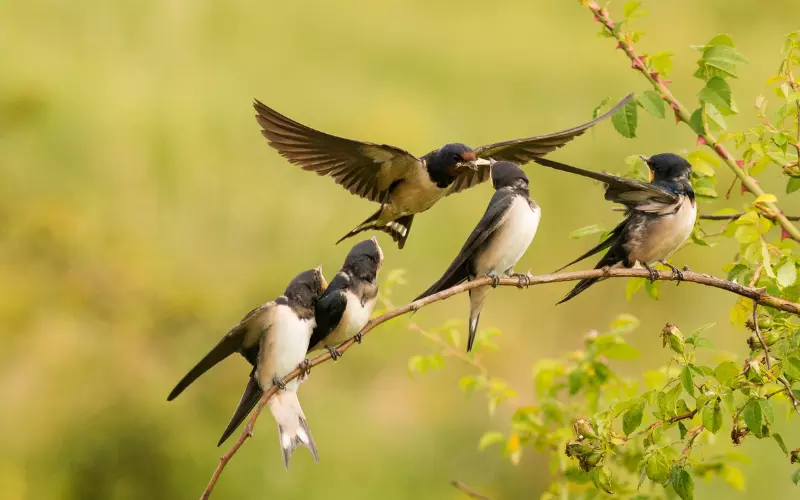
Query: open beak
646,160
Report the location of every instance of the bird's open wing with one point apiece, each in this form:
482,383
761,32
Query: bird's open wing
636,195
491,220
241,337
363,168
522,151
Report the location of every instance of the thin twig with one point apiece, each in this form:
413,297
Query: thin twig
625,43
736,216
760,338
469,492
703,279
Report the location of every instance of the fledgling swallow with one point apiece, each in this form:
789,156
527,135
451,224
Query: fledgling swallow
659,216
274,339
498,241
349,300
403,184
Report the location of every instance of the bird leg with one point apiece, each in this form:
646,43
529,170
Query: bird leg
334,353
495,279
524,279
305,367
278,382
358,337
676,273
653,273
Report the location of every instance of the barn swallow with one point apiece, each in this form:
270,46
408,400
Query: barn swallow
403,184
349,300
274,339
498,241
659,216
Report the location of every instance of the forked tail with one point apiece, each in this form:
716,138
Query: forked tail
292,426
398,229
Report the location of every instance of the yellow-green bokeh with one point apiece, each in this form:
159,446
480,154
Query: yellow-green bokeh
142,214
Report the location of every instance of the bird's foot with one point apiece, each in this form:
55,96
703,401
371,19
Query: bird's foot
676,273
279,383
334,353
523,280
305,367
653,273
495,280
358,337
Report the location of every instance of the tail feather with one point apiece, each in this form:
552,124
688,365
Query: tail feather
293,429
250,397
398,229
610,240
476,298
614,257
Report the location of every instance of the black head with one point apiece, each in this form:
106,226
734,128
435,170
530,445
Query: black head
507,174
306,288
364,260
668,167
445,163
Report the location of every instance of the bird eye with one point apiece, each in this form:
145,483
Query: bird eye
456,158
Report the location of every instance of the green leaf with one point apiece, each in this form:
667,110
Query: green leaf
796,476
625,323
586,231
766,410
652,289
489,439
746,234
662,62
656,467
625,120
717,92
577,378
703,163
791,367
779,439
652,103
683,484
793,185
787,273
752,417
713,117
633,9
687,381
733,476
712,417
726,371
632,418
696,121
723,59
632,286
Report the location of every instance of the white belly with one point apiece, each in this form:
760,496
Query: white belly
289,337
664,236
353,320
516,233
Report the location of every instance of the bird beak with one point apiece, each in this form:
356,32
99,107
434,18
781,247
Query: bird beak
477,163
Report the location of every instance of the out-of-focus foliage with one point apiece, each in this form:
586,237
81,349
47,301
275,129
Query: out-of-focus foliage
142,214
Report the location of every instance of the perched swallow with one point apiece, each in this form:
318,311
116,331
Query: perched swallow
498,241
403,184
349,300
660,216
274,339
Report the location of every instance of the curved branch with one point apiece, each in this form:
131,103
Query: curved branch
758,295
736,216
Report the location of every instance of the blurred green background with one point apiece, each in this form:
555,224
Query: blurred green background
142,214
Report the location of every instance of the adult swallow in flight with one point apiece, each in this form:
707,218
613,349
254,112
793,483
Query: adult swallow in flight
660,216
403,184
349,300
498,241
274,339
